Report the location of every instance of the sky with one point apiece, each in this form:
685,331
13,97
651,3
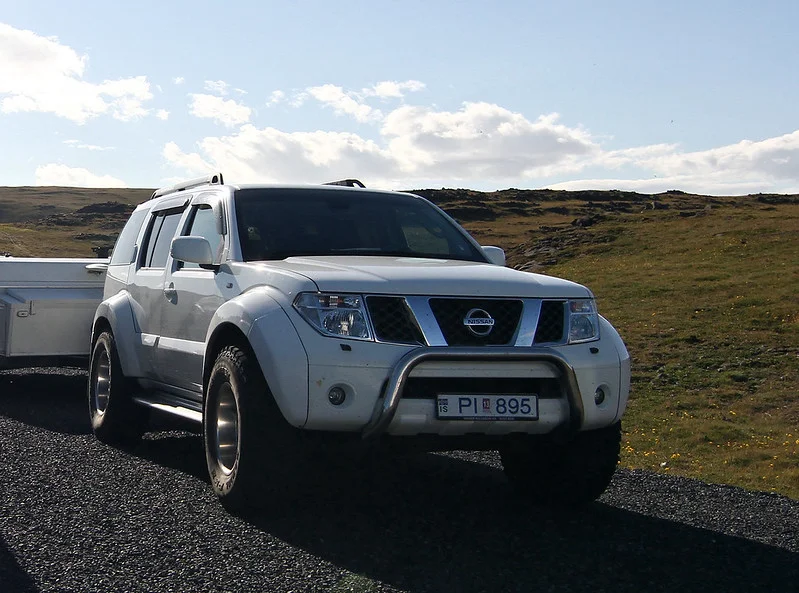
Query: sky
645,95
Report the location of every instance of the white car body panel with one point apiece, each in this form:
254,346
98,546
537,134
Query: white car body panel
414,276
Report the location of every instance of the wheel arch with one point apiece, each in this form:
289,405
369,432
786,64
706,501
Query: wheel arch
115,314
224,334
257,321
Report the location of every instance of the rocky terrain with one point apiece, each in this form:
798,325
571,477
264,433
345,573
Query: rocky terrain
82,222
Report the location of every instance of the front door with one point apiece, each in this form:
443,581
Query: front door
192,296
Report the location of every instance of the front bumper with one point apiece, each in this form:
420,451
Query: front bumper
387,405
381,381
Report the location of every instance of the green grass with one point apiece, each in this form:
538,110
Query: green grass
709,309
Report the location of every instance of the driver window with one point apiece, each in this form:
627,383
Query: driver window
203,224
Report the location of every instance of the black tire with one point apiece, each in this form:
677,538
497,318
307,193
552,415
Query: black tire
571,473
116,419
250,449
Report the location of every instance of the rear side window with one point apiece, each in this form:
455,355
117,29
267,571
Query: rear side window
125,248
159,238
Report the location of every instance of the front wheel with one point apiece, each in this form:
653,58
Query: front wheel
250,449
571,473
115,417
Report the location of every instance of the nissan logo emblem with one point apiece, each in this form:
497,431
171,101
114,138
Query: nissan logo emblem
479,322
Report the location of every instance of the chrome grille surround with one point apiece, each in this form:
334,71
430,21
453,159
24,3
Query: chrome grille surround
440,321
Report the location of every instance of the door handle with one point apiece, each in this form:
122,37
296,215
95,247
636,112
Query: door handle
170,292
97,268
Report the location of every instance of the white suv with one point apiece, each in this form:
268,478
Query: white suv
281,317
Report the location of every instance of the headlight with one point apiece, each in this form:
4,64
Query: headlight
583,321
340,315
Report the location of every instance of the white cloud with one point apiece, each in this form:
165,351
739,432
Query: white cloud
480,141
777,158
193,163
344,103
62,175
227,112
299,99
481,144
275,97
91,147
770,165
354,103
178,80
269,155
393,89
162,114
42,75
220,87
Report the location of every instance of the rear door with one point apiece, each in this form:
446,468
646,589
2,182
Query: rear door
146,286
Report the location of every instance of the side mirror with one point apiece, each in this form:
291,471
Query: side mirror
196,250
496,255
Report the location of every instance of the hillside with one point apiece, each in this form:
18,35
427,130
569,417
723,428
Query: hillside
703,290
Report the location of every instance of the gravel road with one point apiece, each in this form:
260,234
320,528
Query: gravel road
76,515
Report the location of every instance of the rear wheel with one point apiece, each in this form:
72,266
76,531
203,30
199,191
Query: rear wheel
115,417
250,450
571,473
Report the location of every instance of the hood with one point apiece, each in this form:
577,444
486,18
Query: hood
416,276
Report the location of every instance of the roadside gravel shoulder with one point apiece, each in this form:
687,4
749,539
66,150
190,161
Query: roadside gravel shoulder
76,515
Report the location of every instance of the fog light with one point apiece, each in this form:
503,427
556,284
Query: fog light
336,396
599,396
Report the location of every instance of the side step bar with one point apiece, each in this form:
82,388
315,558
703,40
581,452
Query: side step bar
172,405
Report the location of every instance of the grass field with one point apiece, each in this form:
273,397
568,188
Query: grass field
705,292
707,300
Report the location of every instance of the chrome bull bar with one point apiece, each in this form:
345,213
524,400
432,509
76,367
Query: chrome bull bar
386,406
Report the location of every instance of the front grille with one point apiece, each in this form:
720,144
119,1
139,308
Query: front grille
450,315
392,320
430,387
550,322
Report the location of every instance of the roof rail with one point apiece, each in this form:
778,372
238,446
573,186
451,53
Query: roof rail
213,179
346,183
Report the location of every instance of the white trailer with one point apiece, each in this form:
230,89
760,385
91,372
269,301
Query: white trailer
46,310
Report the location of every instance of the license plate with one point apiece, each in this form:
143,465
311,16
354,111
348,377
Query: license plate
487,407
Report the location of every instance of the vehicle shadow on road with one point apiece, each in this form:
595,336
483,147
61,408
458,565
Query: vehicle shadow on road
12,576
434,523
177,449
55,401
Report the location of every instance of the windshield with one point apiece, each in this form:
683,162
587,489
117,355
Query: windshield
281,223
